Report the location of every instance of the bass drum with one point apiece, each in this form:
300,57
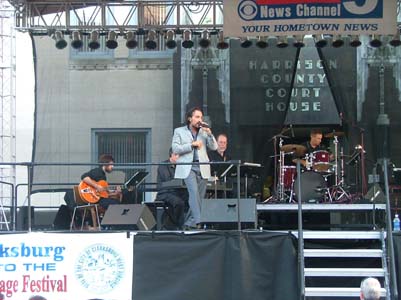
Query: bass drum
312,187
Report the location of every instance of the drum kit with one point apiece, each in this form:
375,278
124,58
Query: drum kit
317,168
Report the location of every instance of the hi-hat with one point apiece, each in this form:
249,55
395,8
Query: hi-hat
333,134
298,150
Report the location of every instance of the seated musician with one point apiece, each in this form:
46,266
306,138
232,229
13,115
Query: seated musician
96,176
175,198
314,144
219,155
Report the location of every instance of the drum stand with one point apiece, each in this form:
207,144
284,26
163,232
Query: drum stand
337,193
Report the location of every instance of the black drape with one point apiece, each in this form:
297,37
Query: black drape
215,266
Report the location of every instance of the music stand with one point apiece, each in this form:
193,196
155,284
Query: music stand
135,181
248,169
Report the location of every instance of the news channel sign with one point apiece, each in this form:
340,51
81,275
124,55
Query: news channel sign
244,18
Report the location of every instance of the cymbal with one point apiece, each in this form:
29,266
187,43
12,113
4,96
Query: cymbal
298,150
330,135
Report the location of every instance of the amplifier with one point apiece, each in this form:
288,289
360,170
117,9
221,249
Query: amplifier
226,211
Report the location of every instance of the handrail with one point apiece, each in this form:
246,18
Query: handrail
390,241
12,199
30,184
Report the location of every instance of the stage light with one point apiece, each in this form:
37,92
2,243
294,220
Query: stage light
320,41
375,41
76,41
337,41
131,42
245,42
111,42
395,39
187,39
221,43
204,41
170,36
282,42
94,40
354,41
60,41
299,41
150,42
261,42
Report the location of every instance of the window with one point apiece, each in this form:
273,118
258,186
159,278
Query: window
126,146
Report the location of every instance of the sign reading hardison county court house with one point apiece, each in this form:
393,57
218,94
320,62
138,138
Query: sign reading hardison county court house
298,17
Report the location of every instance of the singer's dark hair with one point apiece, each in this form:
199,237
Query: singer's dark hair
190,113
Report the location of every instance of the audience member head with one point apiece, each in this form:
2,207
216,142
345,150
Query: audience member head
370,289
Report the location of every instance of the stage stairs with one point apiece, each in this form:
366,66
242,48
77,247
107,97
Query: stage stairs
337,261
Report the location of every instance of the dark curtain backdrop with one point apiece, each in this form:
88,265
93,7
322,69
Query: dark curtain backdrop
215,266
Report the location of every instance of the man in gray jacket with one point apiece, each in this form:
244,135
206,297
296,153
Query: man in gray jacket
190,142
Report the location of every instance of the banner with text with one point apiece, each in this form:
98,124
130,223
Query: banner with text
299,17
66,266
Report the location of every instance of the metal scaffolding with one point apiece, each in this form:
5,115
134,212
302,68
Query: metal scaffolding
47,16
7,105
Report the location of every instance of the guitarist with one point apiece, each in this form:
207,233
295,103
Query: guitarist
95,175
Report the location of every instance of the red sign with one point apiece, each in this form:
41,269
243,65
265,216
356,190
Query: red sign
276,2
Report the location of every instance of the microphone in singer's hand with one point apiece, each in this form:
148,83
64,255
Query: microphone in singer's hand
204,125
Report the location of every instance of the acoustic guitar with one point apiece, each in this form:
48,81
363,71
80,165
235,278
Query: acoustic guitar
90,195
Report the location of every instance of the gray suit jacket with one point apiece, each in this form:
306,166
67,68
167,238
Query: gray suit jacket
181,145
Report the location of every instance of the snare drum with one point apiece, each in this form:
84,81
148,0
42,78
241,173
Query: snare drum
321,161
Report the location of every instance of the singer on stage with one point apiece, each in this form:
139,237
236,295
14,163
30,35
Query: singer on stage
190,142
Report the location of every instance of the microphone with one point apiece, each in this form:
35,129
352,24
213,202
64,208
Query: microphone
204,125
292,131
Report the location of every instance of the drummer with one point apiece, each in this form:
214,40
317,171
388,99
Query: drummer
314,144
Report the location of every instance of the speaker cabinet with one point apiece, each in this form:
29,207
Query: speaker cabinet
223,213
128,217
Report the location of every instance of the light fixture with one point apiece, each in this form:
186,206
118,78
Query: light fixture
320,41
187,42
94,40
375,41
150,42
245,42
337,41
355,41
131,42
170,36
299,41
60,41
261,42
111,42
204,41
395,39
221,43
76,41
282,42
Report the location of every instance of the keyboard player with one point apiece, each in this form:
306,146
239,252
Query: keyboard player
176,197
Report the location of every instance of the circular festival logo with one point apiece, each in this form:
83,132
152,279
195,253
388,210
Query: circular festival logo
247,10
99,268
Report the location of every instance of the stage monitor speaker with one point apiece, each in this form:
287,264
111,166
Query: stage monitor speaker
225,211
128,217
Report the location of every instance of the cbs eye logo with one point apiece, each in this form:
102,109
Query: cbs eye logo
247,10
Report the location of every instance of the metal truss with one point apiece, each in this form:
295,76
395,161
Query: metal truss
49,15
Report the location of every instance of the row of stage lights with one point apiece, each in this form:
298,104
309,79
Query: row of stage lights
204,40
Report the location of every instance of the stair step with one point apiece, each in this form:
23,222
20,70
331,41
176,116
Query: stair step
336,292
361,235
344,272
343,253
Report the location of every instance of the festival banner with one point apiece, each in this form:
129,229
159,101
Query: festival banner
246,18
66,266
